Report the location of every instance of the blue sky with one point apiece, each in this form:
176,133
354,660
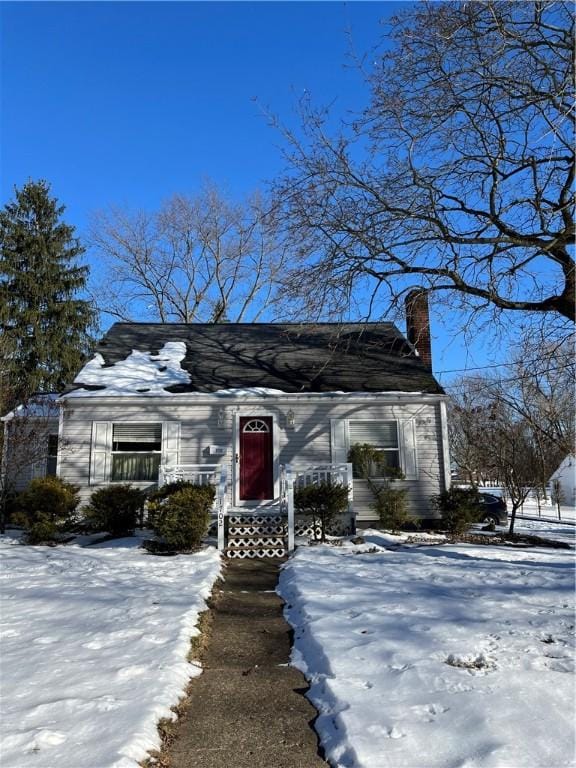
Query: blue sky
128,103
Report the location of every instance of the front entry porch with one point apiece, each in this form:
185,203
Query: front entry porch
272,529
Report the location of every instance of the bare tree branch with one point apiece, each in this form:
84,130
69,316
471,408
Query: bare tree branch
198,259
459,173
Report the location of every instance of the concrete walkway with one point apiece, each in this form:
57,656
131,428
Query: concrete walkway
247,709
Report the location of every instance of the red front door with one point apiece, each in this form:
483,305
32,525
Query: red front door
256,458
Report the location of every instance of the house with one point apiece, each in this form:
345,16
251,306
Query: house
564,480
257,409
30,445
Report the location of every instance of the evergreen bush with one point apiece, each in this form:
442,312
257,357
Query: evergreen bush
157,498
367,461
323,502
115,509
391,503
45,509
458,508
183,518
392,507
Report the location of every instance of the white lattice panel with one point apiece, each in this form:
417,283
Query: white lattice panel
260,553
257,541
253,530
255,519
304,526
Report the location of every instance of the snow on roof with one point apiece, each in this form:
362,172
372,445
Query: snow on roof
140,372
244,393
38,406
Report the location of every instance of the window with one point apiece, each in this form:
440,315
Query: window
52,456
381,435
136,450
256,425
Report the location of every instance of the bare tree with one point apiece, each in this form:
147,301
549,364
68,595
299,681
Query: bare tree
200,259
516,428
512,450
456,177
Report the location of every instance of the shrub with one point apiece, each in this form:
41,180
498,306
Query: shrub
156,499
115,509
46,509
323,501
458,508
392,507
391,503
183,518
367,461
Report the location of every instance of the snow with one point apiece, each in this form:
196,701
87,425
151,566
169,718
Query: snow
250,392
140,372
436,656
146,375
93,649
38,406
546,512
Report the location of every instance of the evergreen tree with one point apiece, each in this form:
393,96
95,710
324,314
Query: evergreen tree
44,327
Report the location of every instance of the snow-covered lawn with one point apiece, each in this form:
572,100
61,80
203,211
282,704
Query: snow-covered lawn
93,649
437,656
547,511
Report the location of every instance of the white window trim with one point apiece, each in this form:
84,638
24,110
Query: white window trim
404,428
398,449
113,453
171,431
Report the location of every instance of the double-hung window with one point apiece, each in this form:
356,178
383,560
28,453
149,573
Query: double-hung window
383,437
136,452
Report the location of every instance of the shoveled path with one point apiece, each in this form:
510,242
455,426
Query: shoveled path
247,709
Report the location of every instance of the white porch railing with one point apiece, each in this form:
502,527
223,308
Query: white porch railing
291,478
200,474
298,477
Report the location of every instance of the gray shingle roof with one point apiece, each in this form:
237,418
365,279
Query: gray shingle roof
323,357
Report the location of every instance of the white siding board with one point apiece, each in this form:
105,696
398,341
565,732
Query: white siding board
308,442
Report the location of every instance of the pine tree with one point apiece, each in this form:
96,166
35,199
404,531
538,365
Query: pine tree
44,327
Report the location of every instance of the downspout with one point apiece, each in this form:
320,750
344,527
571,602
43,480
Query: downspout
447,475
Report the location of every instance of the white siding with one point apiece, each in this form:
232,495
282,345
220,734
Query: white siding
309,441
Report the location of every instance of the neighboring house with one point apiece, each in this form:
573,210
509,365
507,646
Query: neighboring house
255,408
565,477
30,445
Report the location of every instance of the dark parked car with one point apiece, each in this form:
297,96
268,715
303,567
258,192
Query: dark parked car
492,509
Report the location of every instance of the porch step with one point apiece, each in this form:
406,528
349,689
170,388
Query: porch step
257,540
257,545
265,553
257,533
278,529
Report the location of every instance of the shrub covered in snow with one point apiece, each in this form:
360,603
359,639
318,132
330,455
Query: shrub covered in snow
45,509
182,520
458,508
323,502
115,509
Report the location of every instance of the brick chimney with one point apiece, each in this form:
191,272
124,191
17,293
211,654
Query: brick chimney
418,325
